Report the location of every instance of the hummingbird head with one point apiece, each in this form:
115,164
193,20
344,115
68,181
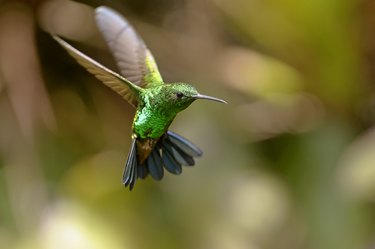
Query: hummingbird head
181,95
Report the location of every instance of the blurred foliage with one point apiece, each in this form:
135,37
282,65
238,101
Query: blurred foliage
288,163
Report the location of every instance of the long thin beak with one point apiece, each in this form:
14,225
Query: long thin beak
201,96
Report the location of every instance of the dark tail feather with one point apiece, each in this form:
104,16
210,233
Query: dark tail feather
129,176
183,144
170,162
178,154
142,171
171,152
155,165
175,151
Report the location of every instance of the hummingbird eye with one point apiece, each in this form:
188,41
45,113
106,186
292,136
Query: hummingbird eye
179,95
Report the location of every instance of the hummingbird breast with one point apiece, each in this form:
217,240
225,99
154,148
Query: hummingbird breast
151,123
148,127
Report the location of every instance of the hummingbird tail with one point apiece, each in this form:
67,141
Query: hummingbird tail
171,152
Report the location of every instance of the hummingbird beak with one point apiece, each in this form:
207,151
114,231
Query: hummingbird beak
201,96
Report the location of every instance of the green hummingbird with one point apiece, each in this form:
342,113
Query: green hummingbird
153,146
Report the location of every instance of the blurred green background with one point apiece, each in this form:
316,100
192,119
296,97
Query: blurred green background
289,163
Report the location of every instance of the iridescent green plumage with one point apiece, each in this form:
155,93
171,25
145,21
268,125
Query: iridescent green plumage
159,106
153,147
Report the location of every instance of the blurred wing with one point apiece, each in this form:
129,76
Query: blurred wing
133,58
111,79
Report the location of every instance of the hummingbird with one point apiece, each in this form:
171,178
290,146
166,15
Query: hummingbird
153,146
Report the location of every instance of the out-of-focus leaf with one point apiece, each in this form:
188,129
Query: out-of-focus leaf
258,75
356,170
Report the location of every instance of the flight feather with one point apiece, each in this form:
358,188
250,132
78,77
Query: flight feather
111,79
133,58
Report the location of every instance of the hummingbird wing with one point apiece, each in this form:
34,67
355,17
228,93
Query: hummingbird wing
111,79
133,58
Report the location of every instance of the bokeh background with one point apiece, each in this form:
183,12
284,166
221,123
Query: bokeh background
289,163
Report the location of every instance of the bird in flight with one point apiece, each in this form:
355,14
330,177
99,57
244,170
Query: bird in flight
153,147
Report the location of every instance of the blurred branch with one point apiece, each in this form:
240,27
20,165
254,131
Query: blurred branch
25,106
